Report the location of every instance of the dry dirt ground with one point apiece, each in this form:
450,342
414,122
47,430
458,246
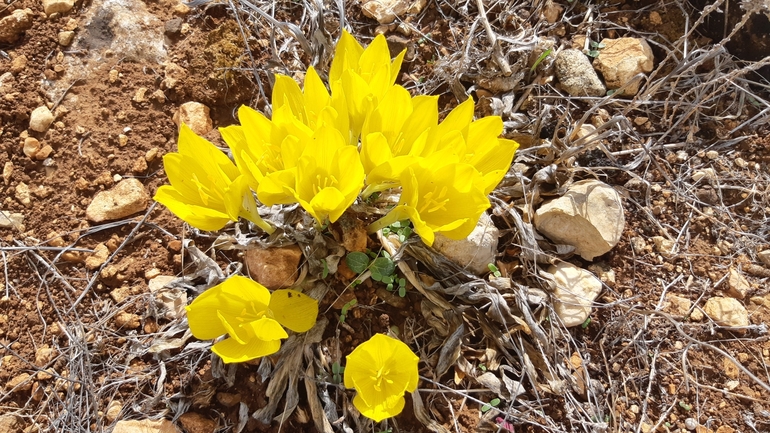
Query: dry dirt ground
85,344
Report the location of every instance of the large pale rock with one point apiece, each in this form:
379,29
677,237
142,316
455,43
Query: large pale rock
145,426
621,59
680,307
274,268
40,119
575,290
576,75
196,116
12,26
126,198
475,252
170,300
726,311
61,6
589,217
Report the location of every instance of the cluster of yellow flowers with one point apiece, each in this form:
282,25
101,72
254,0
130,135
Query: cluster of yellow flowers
323,148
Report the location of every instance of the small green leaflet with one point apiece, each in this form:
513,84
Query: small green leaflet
357,262
381,268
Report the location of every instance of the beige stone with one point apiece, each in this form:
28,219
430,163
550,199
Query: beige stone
127,320
145,426
575,289
44,355
23,194
113,411
196,116
126,198
589,217
384,11
274,268
20,383
40,119
621,59
11,219
98,257
476,251
737,285
10,423
31,146
726,311
194,422
66,37
13,25
576,75
61,6
18,64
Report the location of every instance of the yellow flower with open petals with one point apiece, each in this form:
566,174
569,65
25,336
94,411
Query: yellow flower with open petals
448,199
394,135
381,370
207,190
251,316
459,138
363,76
327,179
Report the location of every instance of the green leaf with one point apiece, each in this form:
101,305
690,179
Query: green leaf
357,262
586,323
492,403
326,269
382,267
542,57
402,291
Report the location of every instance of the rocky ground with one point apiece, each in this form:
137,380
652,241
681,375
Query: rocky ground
645,309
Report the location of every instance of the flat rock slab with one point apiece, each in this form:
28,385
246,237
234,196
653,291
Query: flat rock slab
126,198
576,74
274,268
621,60
475,252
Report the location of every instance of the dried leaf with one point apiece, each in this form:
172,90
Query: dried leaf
450,352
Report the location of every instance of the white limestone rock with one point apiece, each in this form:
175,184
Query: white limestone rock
621,59
126,198
475,252
575,289
61,6
589,217
576,75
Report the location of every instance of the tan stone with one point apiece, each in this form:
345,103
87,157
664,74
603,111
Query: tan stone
127,320
196,116
145,426
726,311
66,37
13,25
44,355
621,59
737,285
20,383
98,257
61,6
589,216
575,289
126,198
196,423
113,411
40,119
274,268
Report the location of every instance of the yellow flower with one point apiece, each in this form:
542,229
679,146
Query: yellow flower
326,180
363,76
449,199
251,316
394,135
381,370
207,190
461,139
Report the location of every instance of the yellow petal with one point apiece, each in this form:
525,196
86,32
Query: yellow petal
278,188
287,92
294,309
268,329
197,216
315,95
378,412
232,351
346,56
